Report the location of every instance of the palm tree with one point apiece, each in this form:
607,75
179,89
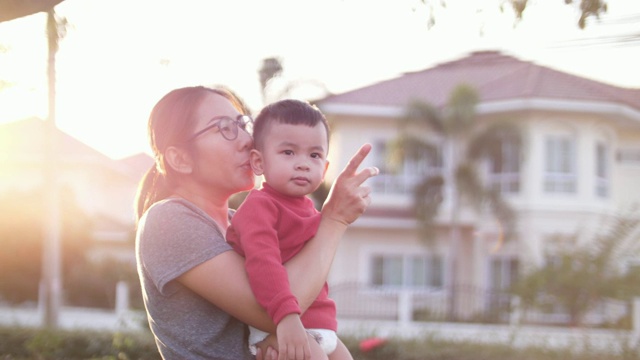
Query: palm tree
13,9
453,135
272,89
271,68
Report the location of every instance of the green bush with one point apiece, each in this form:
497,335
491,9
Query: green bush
28,344
24,343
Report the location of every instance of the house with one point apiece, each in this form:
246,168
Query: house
581,166
101,187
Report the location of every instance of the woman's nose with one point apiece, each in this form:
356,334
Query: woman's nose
245,140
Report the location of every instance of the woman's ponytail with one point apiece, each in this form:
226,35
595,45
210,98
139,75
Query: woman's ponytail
152,187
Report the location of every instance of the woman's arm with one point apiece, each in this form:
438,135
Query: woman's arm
223,280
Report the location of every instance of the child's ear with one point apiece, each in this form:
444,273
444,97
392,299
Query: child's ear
256,162
178,160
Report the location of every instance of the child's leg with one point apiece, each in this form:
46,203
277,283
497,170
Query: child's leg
340,353
316,350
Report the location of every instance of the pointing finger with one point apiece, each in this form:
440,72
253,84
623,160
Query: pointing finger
356,160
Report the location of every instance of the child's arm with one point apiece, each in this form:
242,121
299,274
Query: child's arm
254,229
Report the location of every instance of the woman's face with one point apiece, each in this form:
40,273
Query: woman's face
220,165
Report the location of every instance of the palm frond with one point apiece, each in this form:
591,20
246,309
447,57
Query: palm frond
488,142
421,114
461,110
407,147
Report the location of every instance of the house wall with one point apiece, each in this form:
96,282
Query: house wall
627,172
102,191
541,215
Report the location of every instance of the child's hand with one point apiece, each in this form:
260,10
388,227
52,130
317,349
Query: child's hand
293,343
348,198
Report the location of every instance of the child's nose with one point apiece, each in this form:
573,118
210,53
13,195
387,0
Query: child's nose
302,165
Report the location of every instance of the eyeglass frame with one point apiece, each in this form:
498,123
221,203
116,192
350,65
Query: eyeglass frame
244,122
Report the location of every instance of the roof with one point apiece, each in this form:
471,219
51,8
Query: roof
25,141
496,76
138,164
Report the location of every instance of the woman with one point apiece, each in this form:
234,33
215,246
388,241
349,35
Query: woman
195,288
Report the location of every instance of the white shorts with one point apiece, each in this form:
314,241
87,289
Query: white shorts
327,339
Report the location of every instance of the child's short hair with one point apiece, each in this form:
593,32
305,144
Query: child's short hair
290,111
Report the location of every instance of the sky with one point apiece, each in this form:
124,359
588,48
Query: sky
119,57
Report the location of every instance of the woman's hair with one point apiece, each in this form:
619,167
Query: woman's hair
290,111
171,122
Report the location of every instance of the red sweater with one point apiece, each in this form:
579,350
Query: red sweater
269,229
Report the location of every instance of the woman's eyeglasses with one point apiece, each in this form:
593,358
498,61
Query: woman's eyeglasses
228,127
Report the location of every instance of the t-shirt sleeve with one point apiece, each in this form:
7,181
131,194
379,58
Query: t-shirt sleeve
174,239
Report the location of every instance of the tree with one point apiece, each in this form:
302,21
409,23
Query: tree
588,8
13,9
580,278
271,68
425,133
274,86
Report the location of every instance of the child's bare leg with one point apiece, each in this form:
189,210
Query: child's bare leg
341,352
316,350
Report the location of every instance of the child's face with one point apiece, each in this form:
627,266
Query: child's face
294,158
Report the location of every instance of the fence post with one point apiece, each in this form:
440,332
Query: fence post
515,316
405,307
122,298
635,326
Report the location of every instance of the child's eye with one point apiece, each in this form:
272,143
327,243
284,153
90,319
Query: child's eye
316,156
287,152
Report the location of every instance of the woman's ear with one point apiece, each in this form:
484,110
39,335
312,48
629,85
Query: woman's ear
256,162
178,159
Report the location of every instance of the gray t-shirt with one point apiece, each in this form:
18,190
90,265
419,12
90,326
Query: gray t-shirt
173,237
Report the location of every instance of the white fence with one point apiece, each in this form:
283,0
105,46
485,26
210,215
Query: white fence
512,334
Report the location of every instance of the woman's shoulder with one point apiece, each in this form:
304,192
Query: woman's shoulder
176,211
172,207
178,220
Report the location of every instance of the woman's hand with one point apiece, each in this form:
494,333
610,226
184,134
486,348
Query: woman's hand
266,349
348,198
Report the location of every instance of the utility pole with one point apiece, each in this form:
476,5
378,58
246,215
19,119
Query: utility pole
51,285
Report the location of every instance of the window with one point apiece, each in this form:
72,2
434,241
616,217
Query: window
503,272
413,271
427,162
560,169
504,166
629,156
602,170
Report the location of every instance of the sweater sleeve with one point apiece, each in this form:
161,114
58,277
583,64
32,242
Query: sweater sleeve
254,230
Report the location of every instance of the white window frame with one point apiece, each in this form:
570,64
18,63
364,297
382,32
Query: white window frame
560,170
602,170
507,274
507,179
629,156
404,264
